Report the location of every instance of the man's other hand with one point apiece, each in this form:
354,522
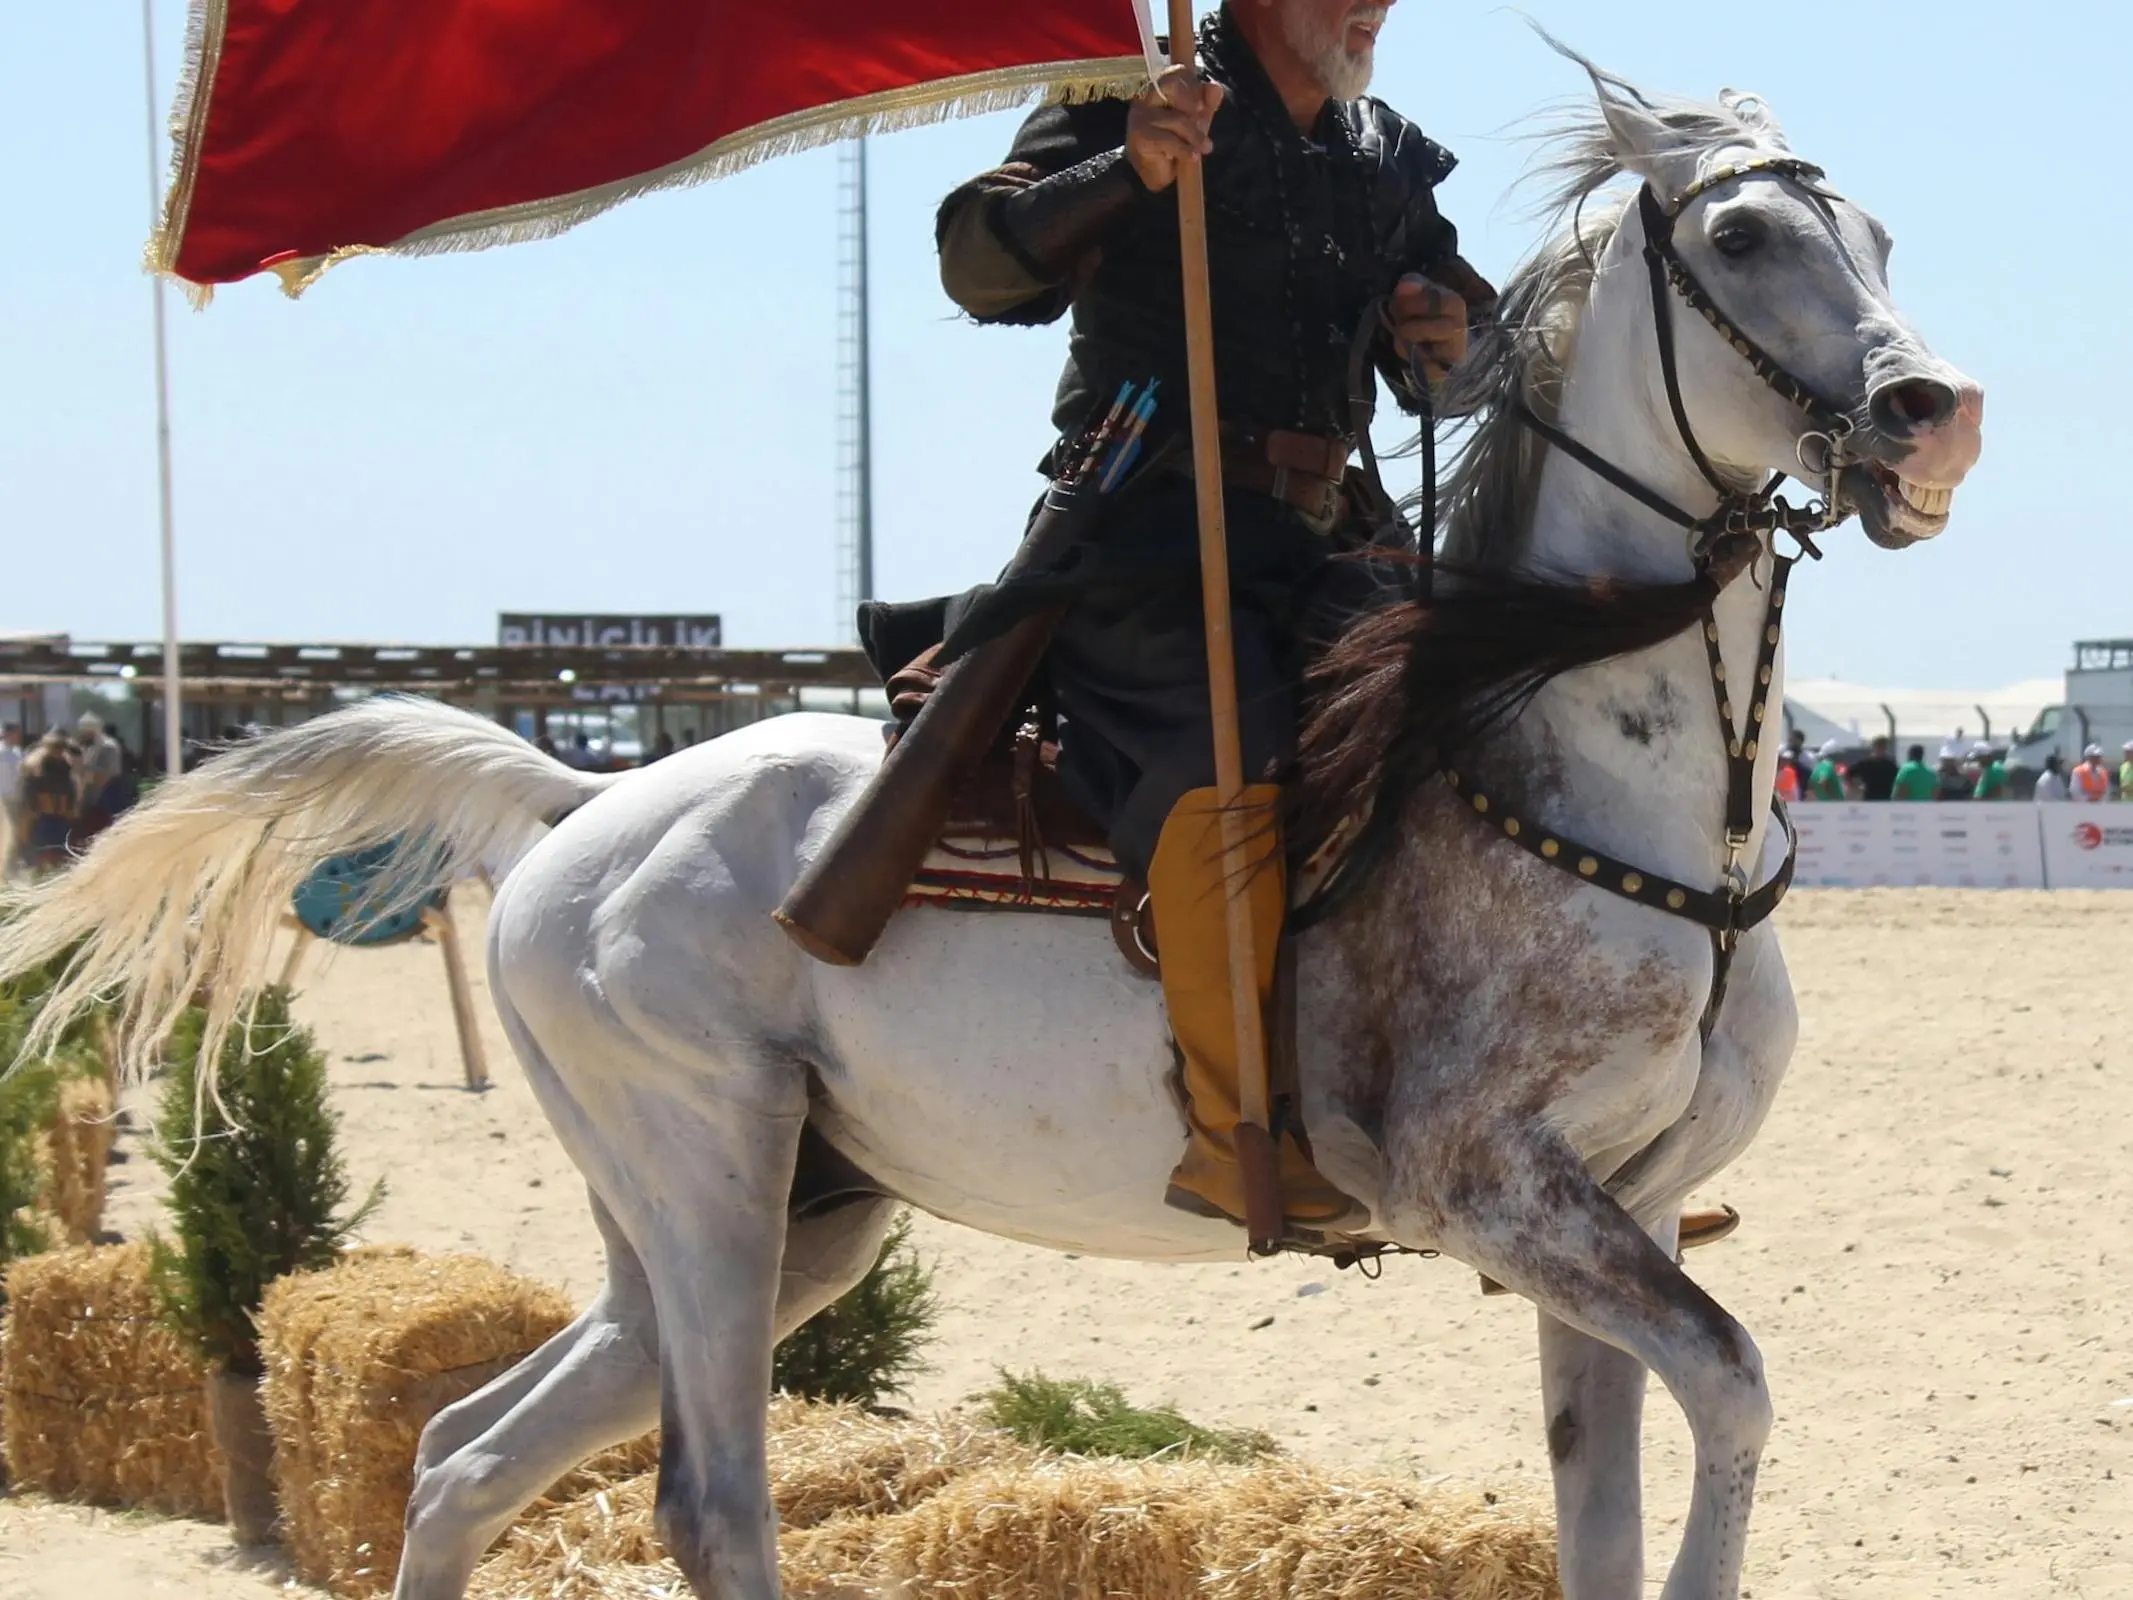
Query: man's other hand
1429,318
1169,123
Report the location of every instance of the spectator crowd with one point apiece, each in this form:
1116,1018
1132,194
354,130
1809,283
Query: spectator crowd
61,792
1975,773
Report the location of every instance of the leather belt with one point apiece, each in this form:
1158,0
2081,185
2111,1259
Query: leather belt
1301,470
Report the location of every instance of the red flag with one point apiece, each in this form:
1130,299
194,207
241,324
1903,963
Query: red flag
311,129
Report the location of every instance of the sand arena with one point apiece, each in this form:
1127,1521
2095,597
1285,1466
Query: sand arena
1934,1264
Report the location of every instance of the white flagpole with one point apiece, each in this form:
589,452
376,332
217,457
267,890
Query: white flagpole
173,741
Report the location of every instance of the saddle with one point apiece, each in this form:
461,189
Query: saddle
1015,840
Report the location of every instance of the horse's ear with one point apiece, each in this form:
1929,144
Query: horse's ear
1755,115
1646,140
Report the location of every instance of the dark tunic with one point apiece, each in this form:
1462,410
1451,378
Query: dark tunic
1304,235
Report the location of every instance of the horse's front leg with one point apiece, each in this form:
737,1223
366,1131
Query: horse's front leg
1593,1399
1514,1200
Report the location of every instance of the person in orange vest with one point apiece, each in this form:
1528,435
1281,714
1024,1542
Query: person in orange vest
2092,779
1788,776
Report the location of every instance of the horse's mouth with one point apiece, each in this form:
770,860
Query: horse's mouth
1895,511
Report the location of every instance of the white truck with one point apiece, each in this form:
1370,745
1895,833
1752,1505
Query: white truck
2098,710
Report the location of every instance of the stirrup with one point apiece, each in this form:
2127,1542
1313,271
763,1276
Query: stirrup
1699,1228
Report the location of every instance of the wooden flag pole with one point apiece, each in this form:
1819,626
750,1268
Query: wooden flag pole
1254,1144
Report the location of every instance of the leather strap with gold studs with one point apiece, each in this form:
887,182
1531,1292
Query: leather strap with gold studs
1721,912
1728,912
1744,743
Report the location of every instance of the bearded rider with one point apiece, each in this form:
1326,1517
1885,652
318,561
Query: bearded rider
1319,205
1323,239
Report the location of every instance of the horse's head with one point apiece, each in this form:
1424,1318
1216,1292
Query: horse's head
1799,336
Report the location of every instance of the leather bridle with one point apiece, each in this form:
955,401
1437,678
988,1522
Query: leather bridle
1732,908
1756,511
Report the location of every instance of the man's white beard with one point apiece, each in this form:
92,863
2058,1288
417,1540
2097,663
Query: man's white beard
1341,74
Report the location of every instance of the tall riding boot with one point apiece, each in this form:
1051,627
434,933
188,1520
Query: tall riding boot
1185,886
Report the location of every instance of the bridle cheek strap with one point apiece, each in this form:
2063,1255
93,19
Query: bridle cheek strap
1667,271
1658,253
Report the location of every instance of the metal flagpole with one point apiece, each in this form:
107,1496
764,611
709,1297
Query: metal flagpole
1256,1155
173,742
855,392
866,392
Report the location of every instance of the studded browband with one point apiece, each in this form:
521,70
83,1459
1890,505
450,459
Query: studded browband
1659,221
1738,510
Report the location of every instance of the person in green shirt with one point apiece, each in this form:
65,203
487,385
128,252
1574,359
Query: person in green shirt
1827,780
1914,779
1991,773
2125,772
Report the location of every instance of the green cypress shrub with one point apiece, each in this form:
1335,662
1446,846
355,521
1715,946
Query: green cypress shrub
257,1189
867,1345
29,1101
28,1098
80,1042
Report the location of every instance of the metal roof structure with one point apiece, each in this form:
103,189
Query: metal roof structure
525,675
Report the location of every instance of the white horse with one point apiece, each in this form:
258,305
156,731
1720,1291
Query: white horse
1501,1060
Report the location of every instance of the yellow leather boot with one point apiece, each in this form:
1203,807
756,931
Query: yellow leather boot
1185,887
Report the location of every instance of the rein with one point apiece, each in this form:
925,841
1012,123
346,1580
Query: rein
1731,909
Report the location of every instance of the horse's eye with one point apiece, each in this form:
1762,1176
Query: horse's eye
1737,239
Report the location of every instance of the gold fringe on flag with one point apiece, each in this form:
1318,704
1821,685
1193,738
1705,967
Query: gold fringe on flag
974,94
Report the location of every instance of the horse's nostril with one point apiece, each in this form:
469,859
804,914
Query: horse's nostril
1902,409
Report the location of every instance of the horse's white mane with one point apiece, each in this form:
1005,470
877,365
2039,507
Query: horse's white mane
1579,159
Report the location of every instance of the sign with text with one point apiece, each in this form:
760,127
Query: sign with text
2088,846
1857,845
604,632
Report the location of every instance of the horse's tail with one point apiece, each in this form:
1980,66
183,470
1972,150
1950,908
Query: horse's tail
182,896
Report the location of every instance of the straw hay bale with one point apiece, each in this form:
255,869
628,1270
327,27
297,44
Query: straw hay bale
1017,1527
74,1153
1063,1529
1284,1530
829,1465
1082,1530
834,1460
98,1400
359,1357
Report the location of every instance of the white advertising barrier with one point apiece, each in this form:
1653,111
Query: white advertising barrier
2087,846
1925,844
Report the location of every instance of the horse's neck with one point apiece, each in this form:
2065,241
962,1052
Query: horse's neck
1629,756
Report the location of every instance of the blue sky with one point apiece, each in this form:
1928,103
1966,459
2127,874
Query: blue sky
640,415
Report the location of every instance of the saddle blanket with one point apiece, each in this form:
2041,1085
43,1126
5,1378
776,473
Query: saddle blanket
976,872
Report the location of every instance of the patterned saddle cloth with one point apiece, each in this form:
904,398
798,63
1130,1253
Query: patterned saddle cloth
1015,842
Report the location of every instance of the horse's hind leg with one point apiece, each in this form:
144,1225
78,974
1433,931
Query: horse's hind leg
713,1246
593,1385
461,1423
1519,1205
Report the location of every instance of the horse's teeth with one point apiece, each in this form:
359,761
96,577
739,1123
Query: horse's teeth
1926,502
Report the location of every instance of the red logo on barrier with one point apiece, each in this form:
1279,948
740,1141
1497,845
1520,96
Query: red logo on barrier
2088,836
